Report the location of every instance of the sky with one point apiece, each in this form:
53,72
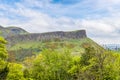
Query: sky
100,18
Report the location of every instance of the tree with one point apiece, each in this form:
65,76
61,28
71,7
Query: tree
88,67
50,65
3,58
96,65
3,51
15,72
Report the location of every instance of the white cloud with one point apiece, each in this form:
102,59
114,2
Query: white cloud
98,25
104,29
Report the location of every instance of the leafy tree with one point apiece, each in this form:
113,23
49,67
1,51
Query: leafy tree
3,52
3,58
85,67
15,72
51,65
96,65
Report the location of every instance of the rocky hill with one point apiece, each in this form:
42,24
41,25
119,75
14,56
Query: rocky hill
11,31
16,35
59,35
22,44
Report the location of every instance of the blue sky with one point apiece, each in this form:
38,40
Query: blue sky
65,2
100,18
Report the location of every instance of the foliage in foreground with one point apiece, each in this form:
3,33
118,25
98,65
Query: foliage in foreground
62,65
3,58
54,65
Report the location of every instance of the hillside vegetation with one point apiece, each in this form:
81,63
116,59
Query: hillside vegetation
56,56
34,47
11,31
54,64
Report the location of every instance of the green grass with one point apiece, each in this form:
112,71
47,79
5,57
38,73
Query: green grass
25,45
35,44
29,48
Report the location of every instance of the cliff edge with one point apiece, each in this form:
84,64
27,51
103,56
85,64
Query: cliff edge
59,35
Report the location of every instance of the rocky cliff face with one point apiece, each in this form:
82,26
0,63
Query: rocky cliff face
15,35
47,36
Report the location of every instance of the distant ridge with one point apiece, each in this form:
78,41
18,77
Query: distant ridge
48,36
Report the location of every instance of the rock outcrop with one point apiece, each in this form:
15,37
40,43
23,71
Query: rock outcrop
15,35
48,36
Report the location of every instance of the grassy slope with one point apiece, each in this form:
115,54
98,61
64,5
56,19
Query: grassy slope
26,49
34,44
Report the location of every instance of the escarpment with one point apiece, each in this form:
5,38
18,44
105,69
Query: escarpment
47,36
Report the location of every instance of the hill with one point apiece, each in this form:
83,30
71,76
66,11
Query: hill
11,31
22,44
58,35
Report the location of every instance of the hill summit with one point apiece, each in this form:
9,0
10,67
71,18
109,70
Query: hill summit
11,31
